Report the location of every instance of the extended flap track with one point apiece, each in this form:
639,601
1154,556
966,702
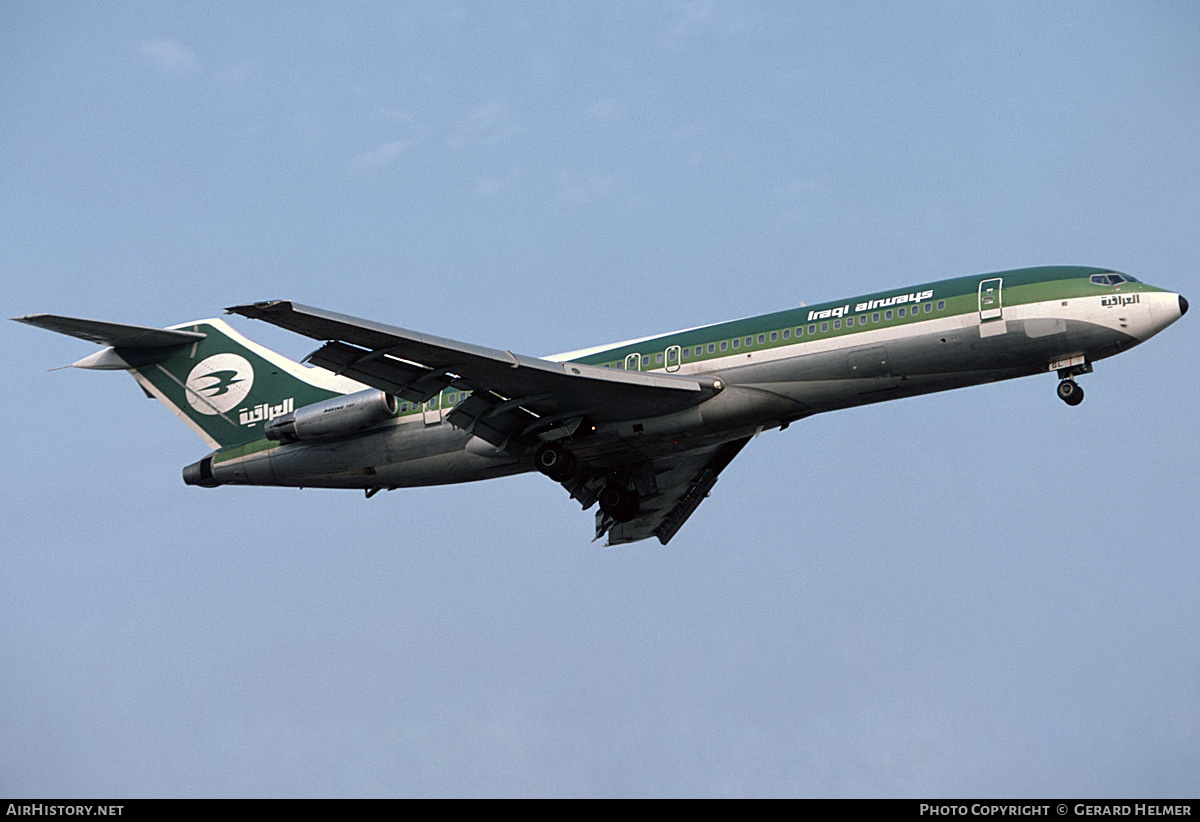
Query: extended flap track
378,367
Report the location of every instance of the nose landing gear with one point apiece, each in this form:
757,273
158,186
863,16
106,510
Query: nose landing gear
1070,392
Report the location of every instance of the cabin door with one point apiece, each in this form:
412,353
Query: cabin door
990,304
673,353
430,411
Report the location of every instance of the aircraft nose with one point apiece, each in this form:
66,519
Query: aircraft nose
1183,306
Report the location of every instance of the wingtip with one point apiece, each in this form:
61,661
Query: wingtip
255,310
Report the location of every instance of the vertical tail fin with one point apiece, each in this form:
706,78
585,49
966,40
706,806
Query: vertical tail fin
222,385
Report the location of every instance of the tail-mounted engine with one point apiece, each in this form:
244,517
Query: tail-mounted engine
335,417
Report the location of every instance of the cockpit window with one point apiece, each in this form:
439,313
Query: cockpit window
1112,279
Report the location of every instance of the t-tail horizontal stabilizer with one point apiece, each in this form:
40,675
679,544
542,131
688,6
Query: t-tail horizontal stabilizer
144,340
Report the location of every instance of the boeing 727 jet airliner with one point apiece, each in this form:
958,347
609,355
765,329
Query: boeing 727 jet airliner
640,428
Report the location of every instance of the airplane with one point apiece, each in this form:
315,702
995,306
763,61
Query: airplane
641,428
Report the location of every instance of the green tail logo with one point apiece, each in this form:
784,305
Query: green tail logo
226,388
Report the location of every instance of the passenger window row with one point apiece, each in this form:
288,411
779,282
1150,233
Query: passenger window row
812,329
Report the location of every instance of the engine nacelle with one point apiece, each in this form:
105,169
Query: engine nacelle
335,417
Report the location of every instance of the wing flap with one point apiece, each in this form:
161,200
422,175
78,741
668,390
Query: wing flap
381,370
683,483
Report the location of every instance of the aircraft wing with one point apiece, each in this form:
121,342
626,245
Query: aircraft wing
518,401
417,366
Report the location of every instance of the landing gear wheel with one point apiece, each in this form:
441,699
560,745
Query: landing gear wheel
1070,392
619,502
554,461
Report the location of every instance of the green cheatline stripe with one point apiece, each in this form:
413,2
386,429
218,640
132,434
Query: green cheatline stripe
960,295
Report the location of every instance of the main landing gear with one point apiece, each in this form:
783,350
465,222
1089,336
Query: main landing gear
619,502
1070,392
554,461
616,500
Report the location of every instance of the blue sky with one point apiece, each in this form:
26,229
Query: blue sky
981,593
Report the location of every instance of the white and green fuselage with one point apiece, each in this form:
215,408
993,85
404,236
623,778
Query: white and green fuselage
272,421
776,368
